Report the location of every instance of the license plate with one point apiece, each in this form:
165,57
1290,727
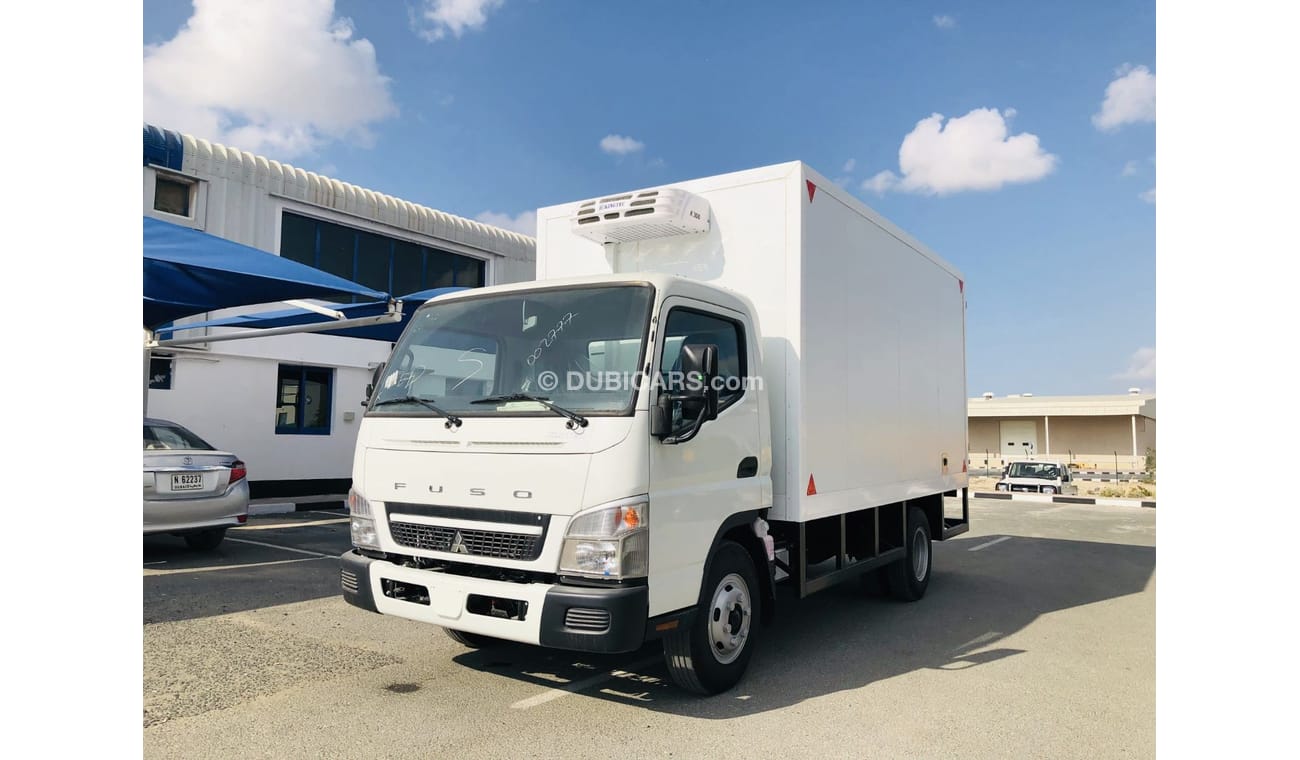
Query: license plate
187,481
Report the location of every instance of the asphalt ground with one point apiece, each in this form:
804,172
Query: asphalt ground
1036,639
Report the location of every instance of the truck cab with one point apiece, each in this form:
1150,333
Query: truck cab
518,436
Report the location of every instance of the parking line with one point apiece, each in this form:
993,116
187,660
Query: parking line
576,686
990,543
277,546
175,571
301,524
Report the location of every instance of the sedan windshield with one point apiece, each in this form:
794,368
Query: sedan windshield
1034,470
578,348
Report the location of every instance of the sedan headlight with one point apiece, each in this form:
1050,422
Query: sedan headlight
363,522
609,541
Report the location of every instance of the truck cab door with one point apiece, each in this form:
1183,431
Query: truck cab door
695,485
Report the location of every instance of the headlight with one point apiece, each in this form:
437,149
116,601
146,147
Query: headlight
363,522
610,541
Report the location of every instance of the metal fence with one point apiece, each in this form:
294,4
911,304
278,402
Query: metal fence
1086,467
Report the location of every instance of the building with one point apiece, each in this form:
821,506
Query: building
1092,431
290,405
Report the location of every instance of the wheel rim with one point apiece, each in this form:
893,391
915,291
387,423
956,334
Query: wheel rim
920,554
729,617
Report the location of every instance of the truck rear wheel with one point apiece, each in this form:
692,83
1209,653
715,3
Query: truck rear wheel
909,577
711,655
471,640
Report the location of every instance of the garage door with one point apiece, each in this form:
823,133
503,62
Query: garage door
1019,437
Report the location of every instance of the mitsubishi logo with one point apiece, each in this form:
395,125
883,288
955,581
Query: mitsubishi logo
458,544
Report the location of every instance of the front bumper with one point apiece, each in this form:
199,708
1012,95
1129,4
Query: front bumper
557,616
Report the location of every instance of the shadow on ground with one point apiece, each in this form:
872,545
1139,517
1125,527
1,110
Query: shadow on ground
843,638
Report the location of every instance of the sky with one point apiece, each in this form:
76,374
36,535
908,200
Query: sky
1016,139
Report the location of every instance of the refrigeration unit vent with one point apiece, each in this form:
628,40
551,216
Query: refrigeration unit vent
641,215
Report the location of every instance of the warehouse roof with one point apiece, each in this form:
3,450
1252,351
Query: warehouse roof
195,156
1143,404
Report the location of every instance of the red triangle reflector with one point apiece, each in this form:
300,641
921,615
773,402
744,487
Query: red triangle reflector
812,484
811,190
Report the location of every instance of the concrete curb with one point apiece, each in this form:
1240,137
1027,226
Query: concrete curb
294,504
1048,499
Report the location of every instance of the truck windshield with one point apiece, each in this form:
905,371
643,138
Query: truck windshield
1034,470
578,347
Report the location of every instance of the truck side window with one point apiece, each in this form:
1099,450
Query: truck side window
696,327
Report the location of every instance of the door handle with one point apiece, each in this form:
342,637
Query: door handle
748,467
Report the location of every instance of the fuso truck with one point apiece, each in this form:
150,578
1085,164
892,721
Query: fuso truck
712,388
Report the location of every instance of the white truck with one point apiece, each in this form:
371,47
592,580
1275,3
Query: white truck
711,386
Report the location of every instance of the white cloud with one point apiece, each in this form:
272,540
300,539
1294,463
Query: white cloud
945,21
1141,366
971,152
1130,169
849,165
435,19
1148,195
1130,98
280,78
525,223
618,145
880,182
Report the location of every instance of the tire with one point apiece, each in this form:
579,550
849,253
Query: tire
205,541
707,658
909,578
471,640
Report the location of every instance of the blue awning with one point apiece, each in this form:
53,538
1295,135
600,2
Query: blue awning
292,317
188,272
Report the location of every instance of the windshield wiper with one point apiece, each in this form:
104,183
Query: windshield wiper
575,419
452,420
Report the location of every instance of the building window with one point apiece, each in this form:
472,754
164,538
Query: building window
171,196
304,396
160,373
376,261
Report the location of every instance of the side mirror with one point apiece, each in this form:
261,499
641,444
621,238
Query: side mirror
699,369
374,380
696,397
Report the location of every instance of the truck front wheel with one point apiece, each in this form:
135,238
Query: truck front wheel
711,655
909,577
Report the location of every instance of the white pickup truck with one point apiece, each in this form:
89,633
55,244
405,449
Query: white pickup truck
1037,477
712,385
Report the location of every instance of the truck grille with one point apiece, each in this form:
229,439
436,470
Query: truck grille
477,543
